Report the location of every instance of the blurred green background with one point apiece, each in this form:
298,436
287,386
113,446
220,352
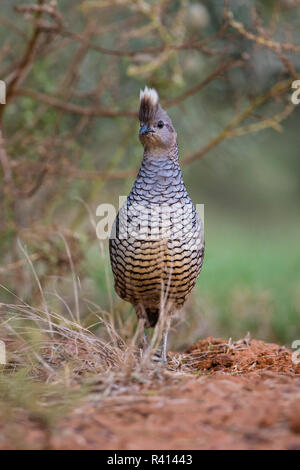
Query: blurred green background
249,183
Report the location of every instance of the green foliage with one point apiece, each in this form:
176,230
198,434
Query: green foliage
252,283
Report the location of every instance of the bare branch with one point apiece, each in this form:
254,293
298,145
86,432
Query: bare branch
229,130
216,73
23,67
280,46
73,108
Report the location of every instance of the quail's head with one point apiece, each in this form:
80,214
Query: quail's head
156,128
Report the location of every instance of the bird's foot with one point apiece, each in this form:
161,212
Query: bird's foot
159,357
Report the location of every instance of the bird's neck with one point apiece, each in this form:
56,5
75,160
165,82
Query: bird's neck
158,176
159,180
155,160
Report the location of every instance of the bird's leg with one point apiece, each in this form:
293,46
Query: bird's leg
165,342
145,340
139,337
164,351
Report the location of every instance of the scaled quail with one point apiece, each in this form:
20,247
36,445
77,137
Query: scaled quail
157,240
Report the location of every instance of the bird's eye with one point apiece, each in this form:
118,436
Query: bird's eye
160,124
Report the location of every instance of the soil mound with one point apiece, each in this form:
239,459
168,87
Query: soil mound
245,355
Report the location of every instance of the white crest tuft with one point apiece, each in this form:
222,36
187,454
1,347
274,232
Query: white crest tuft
150,94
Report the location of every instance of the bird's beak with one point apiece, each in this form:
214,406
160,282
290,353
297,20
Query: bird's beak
145,130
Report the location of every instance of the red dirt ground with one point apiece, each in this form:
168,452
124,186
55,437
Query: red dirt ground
242,395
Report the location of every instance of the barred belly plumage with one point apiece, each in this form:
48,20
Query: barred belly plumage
160,264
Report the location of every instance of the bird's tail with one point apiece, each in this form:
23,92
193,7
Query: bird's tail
152,315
